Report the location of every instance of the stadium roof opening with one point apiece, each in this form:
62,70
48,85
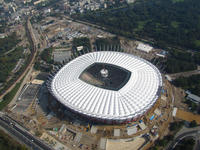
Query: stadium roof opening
117,76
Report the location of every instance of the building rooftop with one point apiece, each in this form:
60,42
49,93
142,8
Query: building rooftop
116,132
144,47
194,97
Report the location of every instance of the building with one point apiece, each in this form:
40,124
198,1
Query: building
129,89
79,48
162,54
192,97
144,47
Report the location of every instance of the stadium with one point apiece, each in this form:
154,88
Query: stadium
107,86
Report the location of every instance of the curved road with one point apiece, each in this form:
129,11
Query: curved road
182,136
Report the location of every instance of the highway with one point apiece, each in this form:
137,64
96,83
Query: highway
22,135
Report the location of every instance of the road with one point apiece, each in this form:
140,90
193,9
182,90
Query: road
86,23
184,74
21,134
192,134
30,65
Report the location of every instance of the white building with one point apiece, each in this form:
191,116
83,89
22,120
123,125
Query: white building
193,98
144,47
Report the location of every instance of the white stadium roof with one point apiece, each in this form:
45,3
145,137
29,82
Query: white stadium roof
132,100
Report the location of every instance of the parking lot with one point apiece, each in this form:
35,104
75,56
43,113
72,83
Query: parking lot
27,95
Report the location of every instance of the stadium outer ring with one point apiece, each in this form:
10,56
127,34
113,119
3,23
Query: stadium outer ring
145,77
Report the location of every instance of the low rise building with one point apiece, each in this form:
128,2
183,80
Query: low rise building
192,97
144,47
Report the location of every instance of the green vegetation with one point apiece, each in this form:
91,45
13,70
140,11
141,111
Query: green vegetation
191,83
46,55
8,63
8,143
84,41
7,1
186,144
193,124
37,18
2,26
176,1
160,144
44,68
163,22
193,106
175,65
176,126
8,43
180,61
47,3
10,95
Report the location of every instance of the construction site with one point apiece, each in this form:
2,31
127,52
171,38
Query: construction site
46,118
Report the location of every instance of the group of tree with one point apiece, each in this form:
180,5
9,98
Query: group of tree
45,61
186,144
164,22
46,55
191,105
8,42
9,96
161,143
180,61
175,126
193,124
191,83
50,3
3,24
83,41
8,62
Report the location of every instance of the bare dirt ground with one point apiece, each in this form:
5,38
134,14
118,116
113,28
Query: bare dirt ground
179,95
188,116
126,145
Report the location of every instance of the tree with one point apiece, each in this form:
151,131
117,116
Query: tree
193,124
162,21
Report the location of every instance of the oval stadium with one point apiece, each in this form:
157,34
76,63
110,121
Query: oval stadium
107,86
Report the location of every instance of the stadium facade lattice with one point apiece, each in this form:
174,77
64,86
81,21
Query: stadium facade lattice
107,86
